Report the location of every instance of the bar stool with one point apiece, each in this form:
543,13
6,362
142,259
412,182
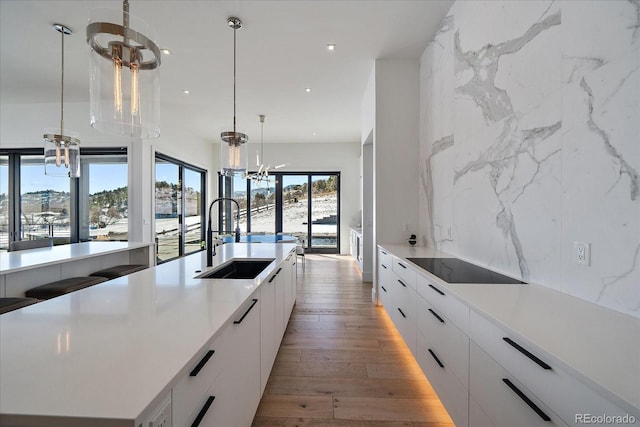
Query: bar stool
119,270
10,304
64,286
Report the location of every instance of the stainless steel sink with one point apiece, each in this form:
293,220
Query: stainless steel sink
238,269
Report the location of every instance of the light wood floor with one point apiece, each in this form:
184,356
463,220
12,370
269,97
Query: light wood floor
342,362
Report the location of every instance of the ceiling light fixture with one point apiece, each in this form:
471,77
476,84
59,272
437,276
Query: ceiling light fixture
186,91
61,150
234,155
308,89
262,175
331,47
119,106
166,51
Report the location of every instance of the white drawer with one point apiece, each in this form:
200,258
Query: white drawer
384,258
502,398
404,314
405,272
561,391
385,289
445,339
190,390
447,304
453,394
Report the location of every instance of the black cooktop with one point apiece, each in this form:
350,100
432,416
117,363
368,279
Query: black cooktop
454,270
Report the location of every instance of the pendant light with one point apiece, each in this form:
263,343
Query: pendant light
61,147
262,174
123,103
234,154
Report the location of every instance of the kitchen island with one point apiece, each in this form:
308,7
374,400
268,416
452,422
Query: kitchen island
123,353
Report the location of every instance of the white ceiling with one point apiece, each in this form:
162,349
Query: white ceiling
281,50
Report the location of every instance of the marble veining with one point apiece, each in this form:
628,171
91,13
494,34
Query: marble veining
494,102
427,178
624,168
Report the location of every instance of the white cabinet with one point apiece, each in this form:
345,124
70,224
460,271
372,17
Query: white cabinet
189,394
548,381
443,353
356,247
268,347
403,311
502,399
228,392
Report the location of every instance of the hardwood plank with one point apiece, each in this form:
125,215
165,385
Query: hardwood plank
361,355
320,369
295,406
330,343
354,387
371,408
408,371
316,422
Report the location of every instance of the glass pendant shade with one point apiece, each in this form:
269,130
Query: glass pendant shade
234,153
124,75
61,153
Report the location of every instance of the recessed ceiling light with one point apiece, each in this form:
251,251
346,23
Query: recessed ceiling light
314,133
166,51
308,89
186,91
331,46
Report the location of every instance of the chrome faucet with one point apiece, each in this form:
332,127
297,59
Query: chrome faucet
211,250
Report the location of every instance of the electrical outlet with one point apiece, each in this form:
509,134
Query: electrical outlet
582,253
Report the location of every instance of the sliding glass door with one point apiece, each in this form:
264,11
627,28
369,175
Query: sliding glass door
305,205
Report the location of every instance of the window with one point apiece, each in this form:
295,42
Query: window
180,210
33,205
45,203
4,203
104,196
300,204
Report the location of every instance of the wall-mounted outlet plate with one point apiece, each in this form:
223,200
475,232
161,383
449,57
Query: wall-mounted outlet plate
582,253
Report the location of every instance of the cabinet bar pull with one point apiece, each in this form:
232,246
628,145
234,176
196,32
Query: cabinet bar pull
435,358
383,288
402,313
526,400
402,283
436,289
402,265
278,272
436,316
526,352
237,322
384,266
383,252
203,411
201,364
273,278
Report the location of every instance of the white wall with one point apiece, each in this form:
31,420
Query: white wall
395,151
529,119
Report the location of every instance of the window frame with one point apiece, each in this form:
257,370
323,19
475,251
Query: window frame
15,199
277,175
182,208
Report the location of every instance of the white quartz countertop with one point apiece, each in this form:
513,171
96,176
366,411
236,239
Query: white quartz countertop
11,262
109,350
598,345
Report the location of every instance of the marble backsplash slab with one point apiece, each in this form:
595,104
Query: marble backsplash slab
530,141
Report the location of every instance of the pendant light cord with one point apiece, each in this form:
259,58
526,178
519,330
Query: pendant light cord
235,29
62,87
